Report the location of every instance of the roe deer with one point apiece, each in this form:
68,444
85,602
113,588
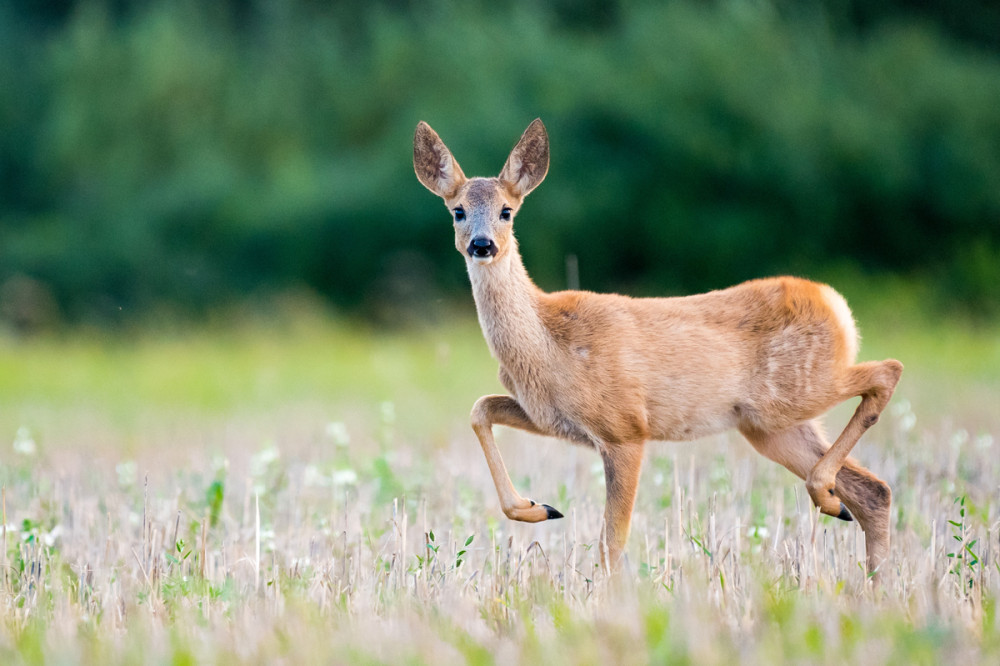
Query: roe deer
766,357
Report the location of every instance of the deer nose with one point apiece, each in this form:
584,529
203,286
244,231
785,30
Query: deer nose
482,247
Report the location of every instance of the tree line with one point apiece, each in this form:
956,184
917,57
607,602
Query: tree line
184,154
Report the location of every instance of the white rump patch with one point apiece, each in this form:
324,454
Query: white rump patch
845,319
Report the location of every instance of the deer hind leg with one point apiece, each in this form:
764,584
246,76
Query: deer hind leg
874,382
504,410
622,465
865,496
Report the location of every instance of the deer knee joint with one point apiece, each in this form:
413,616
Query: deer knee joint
882,493
873,501
480,416
895,370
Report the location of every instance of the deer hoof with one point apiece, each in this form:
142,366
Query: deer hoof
825,498
552,513
532,513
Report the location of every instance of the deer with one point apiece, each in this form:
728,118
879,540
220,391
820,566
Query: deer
767,357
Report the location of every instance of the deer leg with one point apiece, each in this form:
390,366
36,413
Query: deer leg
622,464
874,382
504,410
864,495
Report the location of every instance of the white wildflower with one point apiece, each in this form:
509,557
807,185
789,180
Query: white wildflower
24,443
345,477
263,459
50,537
126,473
336,431
312,476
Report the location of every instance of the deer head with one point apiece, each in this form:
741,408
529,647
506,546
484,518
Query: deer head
483,209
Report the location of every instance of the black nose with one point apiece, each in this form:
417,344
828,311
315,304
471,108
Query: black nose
482,247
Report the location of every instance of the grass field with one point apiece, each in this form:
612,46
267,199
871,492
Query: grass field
304,491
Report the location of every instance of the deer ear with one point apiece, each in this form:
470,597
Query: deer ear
434,164
529,161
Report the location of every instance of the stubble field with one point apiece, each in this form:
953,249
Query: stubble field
310,492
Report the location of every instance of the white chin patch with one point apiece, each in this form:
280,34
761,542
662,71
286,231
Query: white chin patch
482,260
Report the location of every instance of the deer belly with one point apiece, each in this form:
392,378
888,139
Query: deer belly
692,423
559,421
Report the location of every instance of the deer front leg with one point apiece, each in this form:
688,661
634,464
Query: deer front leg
875,383
504,410
622,465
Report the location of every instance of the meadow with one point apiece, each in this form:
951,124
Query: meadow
301,489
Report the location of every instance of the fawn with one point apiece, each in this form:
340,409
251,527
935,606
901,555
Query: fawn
766,357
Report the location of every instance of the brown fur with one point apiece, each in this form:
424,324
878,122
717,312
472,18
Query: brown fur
766,357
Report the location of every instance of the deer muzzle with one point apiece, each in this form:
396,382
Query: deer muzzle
482,248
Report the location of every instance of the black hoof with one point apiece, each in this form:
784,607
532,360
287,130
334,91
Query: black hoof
552,513
844,513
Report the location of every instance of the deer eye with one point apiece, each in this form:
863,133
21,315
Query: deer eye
505,213
459,214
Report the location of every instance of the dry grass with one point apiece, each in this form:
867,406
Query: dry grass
209,508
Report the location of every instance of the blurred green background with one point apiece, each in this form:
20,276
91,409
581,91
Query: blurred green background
182,156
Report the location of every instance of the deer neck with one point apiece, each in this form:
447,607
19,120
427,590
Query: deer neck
507,303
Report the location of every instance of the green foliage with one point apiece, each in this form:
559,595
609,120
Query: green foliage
213,499
463,551
185,153
965,560
389,485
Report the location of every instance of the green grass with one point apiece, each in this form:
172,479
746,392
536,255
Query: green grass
224,372
135,467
